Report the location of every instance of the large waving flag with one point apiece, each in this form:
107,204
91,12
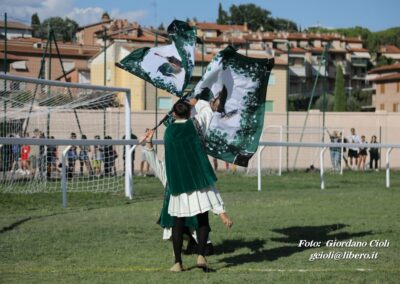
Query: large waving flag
236,87
167,67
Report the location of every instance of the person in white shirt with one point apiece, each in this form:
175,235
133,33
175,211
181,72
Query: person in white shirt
353,151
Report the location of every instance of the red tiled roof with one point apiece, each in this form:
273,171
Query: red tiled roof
297,36
385,69
222,28
297,50
391,77
15,25
222,40
389,49
145,38
29,49
359,50
317,49
353,39
207,57
95,24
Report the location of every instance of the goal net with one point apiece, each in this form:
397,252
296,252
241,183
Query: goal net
41,109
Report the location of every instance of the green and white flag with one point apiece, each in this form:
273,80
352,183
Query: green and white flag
167,67
236,87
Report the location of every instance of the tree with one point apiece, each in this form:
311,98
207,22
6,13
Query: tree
223,17
328,101
161,27
383,60
35,25
254,16
281,24
339,93
64,30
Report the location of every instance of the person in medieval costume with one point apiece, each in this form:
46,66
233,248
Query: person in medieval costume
190,177
165,220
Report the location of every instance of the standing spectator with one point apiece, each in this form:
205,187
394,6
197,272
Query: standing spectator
133,136
353,151
108,157
72,156
25,151
51,157
84,157
362,155
374,154
42,158
335,151
114,158
97,158
16,154
34,153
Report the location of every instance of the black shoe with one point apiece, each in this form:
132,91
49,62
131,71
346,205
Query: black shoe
209,249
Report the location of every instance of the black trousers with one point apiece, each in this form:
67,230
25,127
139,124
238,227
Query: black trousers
202,235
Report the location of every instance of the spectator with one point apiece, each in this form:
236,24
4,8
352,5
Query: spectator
362,155
108,157
335,151
42,158
353,151
34,153
16,156
97,158
84,151
51,158
72,156
25,152
374,154
114,158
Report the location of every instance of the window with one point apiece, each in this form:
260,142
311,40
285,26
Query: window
382,88
382,107
164,103
398,87
395,107
271,80
269,106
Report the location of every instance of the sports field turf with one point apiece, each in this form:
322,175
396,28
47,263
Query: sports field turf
105,238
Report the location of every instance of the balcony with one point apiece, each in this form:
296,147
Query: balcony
359,62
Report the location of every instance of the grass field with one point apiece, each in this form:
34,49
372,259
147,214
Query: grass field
105,238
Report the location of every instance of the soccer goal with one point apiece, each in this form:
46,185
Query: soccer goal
56,133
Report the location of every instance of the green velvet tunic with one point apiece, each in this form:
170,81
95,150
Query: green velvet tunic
186,163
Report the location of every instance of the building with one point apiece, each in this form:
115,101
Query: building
145,96
15,30
390,52
303,52
24,57
386,82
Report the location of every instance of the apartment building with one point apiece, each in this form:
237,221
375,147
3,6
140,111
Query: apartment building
386,82
24,58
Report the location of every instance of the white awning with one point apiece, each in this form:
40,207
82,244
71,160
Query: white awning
361,55
19,65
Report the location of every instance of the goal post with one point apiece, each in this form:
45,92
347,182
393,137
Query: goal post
91,118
